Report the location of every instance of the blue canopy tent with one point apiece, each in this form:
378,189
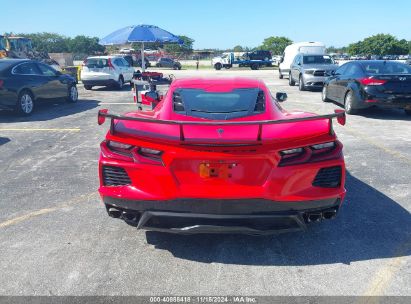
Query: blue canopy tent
140,33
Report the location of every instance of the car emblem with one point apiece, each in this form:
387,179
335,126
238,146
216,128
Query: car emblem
402,78
220,132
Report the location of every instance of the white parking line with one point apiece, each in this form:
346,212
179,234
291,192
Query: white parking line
115,103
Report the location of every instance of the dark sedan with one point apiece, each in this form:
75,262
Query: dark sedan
364,84
24,83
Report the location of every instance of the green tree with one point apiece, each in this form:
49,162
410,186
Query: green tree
48,42
275,44
85,45
380,44
177,49
238,48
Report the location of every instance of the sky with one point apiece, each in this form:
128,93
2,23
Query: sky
218,24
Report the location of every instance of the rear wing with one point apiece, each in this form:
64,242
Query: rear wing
103,114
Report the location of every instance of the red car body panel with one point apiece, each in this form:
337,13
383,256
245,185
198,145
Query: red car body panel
197,162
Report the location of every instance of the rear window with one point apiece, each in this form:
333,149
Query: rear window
219,105
317,59
386,67
98,63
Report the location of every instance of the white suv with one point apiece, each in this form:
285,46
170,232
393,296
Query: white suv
106,71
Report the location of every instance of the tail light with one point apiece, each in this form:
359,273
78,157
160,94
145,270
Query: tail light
314,153
369,81
130,153
110,64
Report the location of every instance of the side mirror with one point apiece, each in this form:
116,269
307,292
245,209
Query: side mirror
152,97
281,96
281,59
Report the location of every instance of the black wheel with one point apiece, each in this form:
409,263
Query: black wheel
324,95
218,66
407,111
25,103
88,87
72,95
255,66
301,85
280,75
120,83
291,82
348,103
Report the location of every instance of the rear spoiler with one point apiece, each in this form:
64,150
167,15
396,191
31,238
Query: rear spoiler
103,114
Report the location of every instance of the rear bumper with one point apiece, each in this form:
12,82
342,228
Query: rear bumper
99,82
374,98
249,216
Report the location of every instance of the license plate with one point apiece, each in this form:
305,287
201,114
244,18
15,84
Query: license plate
216,170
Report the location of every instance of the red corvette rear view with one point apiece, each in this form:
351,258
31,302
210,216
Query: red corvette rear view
221,155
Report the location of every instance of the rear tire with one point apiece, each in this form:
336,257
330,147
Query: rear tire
255,66
120,83
88,87
25,103
72,96
348,101
324,95
291,82
301,85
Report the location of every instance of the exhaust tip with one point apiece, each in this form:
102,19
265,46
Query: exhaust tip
329,215
314,217
113,212
127,216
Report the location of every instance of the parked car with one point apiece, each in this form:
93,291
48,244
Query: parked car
164,62
293,49
25,83
218,155
310,70
106,71
363,84
258,55
137,63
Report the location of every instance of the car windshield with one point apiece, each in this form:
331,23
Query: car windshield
97,63
317,59
386,67
221,105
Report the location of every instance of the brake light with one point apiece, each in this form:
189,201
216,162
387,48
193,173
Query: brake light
369,81
110,64
314,153
126,152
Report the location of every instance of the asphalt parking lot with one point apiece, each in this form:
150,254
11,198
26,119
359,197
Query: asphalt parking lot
56,238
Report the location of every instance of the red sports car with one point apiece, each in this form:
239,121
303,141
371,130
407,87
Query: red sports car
221,155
